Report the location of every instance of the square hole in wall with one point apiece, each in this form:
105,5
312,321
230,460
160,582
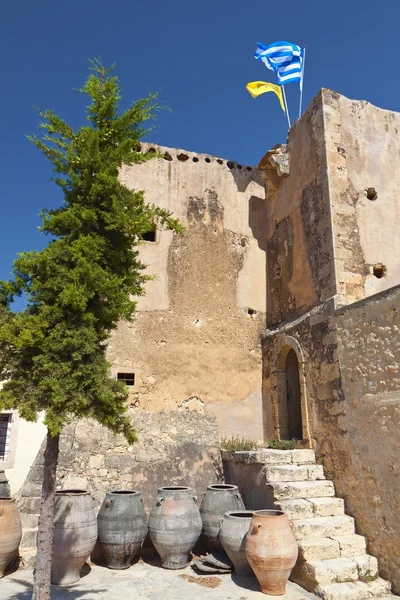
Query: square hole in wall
5,433
150,236
128,378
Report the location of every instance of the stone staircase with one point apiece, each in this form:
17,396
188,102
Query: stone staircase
333,562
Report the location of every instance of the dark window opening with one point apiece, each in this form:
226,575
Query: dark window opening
149,236
128,378
293,397
5,431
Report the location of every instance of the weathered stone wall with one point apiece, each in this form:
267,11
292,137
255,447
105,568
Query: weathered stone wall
362,149
197,337
369,350
178,447
351,363
300,262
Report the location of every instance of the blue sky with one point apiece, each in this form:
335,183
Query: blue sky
199,54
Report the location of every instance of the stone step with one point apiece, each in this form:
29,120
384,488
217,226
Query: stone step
294,473
269,456
291,490
318,549
357,590
341,570
300,508
29,537
323,527
351,545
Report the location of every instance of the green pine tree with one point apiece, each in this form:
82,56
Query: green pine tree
78,287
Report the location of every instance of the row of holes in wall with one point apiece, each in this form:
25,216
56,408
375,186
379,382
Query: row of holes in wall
184,157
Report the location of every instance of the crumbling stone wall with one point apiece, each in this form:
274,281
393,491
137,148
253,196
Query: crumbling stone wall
197,337
178,447
369,350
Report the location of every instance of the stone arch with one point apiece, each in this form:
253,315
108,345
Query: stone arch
288,346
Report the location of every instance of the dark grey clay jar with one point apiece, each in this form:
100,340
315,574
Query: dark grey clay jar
4,487
234,528
217,500
175,525
122,527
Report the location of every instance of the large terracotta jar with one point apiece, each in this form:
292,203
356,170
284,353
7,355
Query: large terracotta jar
271,550
233,533
75,535
122,527
217,500
10,532
175,525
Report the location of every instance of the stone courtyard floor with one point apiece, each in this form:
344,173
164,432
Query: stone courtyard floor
147,581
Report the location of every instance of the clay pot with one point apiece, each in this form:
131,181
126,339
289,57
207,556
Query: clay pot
75,535
10,532
234,528
217,500
122,527
271,550
4,487
175,525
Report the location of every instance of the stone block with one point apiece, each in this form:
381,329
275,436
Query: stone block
327,507
351,545
29,521
323,527
296,509
367,567
315,472
318,549
302,489
286,473
29,537
303,457
29,505
120,461
357,590
335,570
266,457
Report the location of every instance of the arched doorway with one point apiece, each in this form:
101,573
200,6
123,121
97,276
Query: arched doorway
293,396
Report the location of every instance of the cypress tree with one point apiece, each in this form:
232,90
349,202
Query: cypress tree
53,353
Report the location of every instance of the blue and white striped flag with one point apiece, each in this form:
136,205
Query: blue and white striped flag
285,58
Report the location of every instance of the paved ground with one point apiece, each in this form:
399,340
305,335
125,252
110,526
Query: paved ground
144,581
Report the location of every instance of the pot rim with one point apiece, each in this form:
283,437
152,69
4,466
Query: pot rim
217,487
5,499
175,488
239,514
124,492
72,492
269,513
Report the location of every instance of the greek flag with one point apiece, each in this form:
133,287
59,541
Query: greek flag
285,58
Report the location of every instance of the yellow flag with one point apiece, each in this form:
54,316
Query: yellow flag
256,88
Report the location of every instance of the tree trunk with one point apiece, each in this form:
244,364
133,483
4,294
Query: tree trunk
42,572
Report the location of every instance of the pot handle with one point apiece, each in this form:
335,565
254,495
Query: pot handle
195,498
109,502
220,521
256,529
141,500
159,501
202,495
238,496
1,512
291,525
68,507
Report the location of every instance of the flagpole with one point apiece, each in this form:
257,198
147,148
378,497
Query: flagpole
286,106
302,81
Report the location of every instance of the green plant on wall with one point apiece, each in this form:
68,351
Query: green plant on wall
78,287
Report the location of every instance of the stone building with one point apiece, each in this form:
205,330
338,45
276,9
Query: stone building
276,313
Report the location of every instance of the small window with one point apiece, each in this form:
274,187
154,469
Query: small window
5,431
149,236
128,378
